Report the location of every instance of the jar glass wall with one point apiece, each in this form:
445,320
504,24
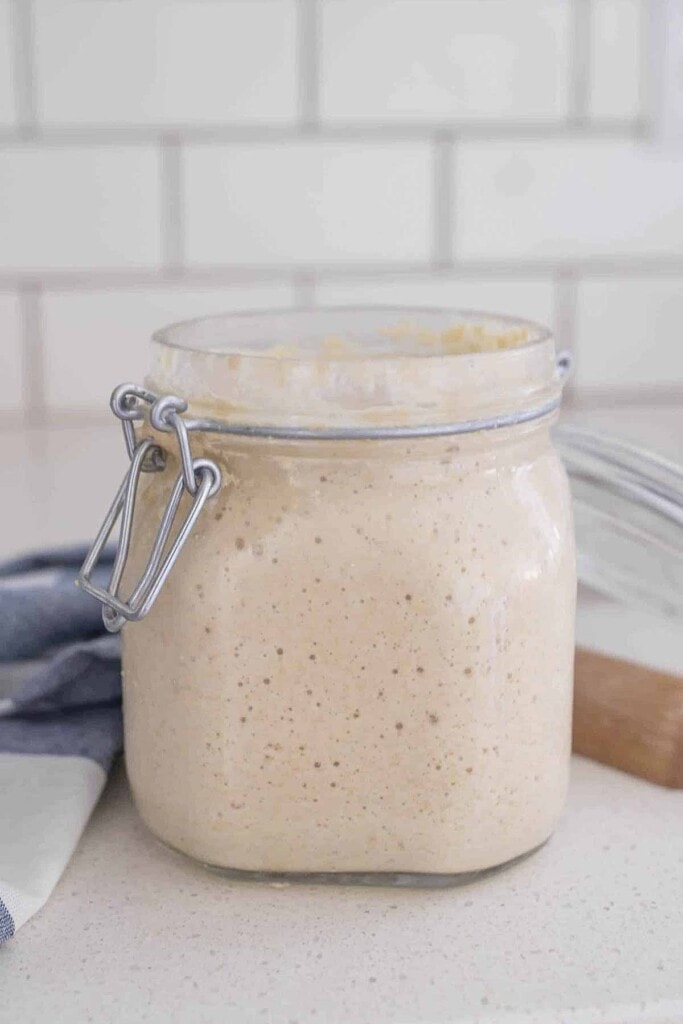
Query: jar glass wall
361,664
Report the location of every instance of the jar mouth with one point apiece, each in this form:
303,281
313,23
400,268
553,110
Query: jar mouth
359,333
356,368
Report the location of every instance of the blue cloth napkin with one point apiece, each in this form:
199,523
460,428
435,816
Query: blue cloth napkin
60,722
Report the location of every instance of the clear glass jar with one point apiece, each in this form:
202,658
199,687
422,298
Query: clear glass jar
360,666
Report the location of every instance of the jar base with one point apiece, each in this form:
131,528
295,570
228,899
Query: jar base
382,879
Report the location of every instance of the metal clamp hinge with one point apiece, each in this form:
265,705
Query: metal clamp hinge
200,478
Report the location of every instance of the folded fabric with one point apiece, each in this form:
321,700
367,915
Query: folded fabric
60,723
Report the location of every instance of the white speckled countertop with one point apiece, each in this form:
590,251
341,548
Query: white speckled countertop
588,931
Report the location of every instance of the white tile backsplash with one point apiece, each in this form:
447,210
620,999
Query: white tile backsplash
630,333
166,61
418,59
78,206
568,199
615,58
95,340
308,202
532,298
7,97
10,354
343,144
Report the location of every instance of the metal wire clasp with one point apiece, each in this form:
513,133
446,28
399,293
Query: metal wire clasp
201,478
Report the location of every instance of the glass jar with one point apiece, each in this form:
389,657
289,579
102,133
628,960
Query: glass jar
358,663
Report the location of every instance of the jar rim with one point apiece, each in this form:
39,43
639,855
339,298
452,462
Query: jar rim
254,333
360,367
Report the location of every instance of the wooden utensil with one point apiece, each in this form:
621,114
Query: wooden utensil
629,717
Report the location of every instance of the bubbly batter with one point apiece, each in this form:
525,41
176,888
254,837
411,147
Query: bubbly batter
362,661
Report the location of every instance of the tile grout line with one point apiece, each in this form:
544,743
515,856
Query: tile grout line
579,62
172,225
33,355
22,13
94,135
648,396
651,34
443,211
566,281
235,274
308,64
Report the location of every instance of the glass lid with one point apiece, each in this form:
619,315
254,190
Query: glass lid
628,509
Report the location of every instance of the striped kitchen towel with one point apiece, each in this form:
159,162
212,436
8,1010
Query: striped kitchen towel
60,723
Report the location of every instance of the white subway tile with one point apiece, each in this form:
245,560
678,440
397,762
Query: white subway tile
630,332
567,198
531,298
332,202
71,206
162,61
615,58
7,98
422,59
95,340
10,354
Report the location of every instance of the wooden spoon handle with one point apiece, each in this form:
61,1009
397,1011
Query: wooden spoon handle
629,717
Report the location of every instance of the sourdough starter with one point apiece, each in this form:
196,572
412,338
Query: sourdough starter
362,661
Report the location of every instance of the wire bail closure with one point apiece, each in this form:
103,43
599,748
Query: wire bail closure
200,478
